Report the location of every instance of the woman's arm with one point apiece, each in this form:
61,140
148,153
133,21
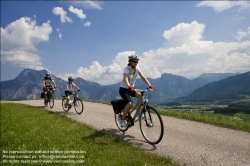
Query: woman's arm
125,77
144,79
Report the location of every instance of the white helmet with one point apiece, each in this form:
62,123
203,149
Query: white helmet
133,57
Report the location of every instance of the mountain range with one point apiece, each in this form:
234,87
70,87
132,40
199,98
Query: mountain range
231,88
28,85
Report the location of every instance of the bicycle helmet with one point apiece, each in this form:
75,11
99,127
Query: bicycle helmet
70,79
133,57
47,74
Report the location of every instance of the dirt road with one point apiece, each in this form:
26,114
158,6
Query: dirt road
185,141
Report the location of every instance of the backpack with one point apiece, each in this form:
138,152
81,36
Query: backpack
118,105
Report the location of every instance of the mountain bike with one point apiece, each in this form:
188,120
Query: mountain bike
49,97
76,102
150,121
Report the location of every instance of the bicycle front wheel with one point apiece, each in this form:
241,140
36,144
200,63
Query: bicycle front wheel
151,125
64,100
51,102
78,106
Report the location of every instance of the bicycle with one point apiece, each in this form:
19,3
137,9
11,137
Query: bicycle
49,97
150,121
76,102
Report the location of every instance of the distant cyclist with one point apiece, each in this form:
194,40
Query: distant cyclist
68,90
126,90
47,82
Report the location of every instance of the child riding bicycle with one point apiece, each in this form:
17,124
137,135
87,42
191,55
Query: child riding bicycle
68,90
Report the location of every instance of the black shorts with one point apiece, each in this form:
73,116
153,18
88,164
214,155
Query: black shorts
125,94
67,93
45,89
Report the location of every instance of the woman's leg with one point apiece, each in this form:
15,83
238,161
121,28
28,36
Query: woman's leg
128,107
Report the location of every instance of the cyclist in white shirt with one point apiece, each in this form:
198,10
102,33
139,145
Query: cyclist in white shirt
68,90
126,90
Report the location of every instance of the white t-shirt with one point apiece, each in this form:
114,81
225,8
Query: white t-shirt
70,86
131,77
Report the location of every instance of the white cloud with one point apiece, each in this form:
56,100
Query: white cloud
103,74
188,55
78,12
220,6
243,36
34,16
19,40
87,24
60,35
184,33
88,4
63,14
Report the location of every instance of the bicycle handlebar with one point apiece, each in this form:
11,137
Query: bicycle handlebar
144,90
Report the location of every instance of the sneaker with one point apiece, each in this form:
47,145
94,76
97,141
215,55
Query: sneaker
122,123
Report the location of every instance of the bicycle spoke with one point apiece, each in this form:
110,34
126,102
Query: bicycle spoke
117,119
64,100
51,102
78,106
151,126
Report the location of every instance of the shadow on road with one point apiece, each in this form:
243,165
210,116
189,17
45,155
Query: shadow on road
129,138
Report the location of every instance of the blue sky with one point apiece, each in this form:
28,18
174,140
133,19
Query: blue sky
92,39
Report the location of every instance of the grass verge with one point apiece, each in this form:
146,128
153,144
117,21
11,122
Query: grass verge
237,121
38,132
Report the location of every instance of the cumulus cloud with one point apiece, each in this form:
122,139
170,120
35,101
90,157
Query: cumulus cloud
87,24
243,36
220,6
78,12
184,33
63,14
88,4
19,40
103,74
188,55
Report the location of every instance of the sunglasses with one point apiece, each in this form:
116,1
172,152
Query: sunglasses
135,61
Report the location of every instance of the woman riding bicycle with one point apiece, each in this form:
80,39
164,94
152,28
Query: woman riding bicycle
68,90
127,85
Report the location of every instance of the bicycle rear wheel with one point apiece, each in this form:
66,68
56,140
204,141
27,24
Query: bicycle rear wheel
151,125
78,105
64,100
117,119
51,102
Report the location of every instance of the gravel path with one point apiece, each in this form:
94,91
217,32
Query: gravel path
185,141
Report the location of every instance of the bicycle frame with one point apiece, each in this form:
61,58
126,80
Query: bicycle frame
141,105
49,89
71,102
153,130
